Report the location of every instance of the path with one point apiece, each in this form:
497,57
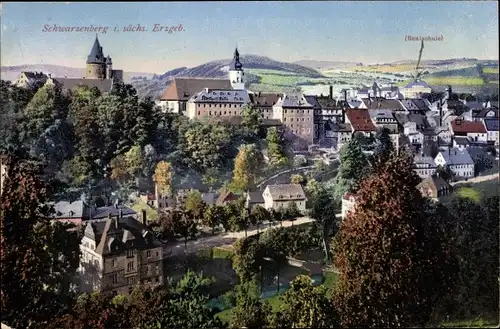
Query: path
228,238
477,179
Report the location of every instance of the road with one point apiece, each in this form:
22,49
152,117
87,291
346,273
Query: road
228,238
477,179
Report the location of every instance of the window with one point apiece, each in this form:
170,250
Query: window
157,268
130,266
130,253
157,254
199,112
157,280
148,254
113,262
130,289
114,278
131,280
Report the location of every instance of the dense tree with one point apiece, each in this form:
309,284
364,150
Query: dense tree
297,179
194,204
352,169
323,208
276,148
305,306
251,119
163,177
386,253
39,259
184,225
247,258
383,145
213,216
246,168
475,228
445,173
250,311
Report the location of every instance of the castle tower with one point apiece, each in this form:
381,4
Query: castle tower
236,73
109,68
96,63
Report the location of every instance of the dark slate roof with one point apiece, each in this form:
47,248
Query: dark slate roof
293,100
339,127
114,236
462,140
104,85
416,105
382,103
35,75
475,105
221,96
419,83
491,124
65,209
328,103
455,156
255,197
96,55
114,211
483,113
436,181
264,99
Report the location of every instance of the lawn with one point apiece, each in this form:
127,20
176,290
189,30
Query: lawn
139,205
276,302
221,253
469,193
490,70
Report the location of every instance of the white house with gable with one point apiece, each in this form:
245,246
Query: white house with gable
458,160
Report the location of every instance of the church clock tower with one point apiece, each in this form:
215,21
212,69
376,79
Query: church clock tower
236,74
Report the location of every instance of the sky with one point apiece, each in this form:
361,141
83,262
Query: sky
367,32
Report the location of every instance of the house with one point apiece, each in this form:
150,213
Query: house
461,142
348,203
416,89
298,118
281,196
361,121
226,197
424,166
491,126
458,160
254,199
30,79
337,134
264,102
331,109
475,131
216,103
180,90
434,187
391,92
415,136
119,253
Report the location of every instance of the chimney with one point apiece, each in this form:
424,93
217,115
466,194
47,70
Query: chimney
345,94
120,213
144,219
109,215
331,92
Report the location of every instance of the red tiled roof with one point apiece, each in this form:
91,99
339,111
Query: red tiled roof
462,126
360,120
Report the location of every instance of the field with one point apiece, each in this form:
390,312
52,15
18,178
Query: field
281,81
490,70
478,191
386,68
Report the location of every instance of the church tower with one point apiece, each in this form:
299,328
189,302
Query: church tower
236,74
96,63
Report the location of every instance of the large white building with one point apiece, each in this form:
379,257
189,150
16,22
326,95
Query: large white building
281,196
458,160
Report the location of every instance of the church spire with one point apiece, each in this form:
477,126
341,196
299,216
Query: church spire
237,63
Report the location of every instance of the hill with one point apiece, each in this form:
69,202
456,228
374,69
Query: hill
324,65
12,72
219,69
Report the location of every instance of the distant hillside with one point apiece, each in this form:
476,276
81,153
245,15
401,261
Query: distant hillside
324,65
12,72
219,69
